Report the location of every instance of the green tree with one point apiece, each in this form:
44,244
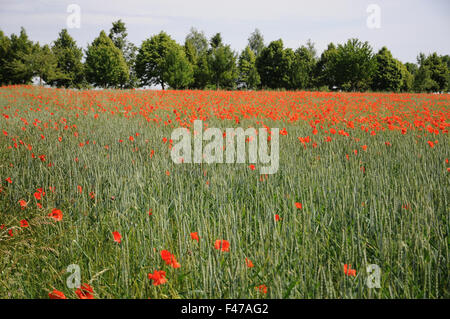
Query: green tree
179,73
407,78
302,68
256,42
432,75
118,34
324,68
198,41
69,68
248,74
446,60
20,49
222,64
196,50
105,65
273,65
388,74
5,46
162,61
353,66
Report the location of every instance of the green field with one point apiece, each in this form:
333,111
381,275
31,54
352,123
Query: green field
385,204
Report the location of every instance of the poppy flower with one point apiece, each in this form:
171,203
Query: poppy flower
23,203
222,245
348,271
56,294
23,223
117,236
277,217
252,167
298,205
85,292
56,214
158,277
261,288
249,263
9,180
364,147
169,259
194,236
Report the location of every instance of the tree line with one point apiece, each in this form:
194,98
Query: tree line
112,61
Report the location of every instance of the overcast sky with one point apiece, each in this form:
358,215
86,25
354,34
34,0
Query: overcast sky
407,27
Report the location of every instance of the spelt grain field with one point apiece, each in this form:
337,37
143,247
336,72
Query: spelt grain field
87,179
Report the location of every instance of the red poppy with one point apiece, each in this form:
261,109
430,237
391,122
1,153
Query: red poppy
56,294
56,214
23,203
23,223
298,205
169,259
9,180
194,236
249,263
252,167
261,288
349,271
158,277
222,245
117,236
85,292
277,217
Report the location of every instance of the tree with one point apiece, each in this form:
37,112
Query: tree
446,60
407,78
388,74
256,42
5,45
105,65
19,51
196,50
432,75
69,68
248,74
302,68
198,42
179,73
353,66
324,68
216,41
161,60
222,64
273,65
118,34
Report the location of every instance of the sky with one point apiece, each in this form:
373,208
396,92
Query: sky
405,27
